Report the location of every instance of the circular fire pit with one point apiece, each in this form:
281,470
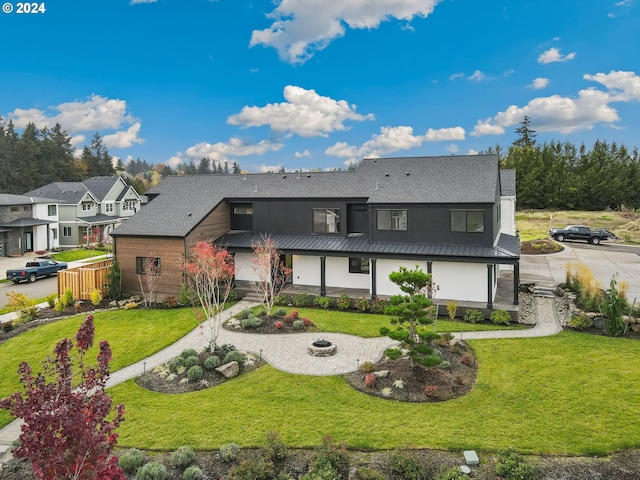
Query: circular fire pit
322,348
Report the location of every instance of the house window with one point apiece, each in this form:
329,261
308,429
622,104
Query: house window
358,265
471,221
392,220
15,209
129,205
54,233
108,208
66,231
326,220
243,210
86,207
52,210
143,262
27,208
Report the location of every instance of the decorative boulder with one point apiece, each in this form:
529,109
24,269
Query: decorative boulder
381,373
229,370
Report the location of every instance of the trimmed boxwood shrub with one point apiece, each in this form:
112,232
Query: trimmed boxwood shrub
280,312
183,457
233,356
251,322
131,460
191,361
176,364
212,362
192,473
229,452
472,315
500,317
189,352
152,471
247,313
298,325
194,374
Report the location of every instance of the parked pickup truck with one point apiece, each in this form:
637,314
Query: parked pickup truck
34,270
579,232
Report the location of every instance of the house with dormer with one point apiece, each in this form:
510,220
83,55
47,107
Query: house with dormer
346,229
91,209
27,224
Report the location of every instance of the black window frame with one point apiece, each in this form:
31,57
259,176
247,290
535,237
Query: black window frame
467,223
52,208
243,210
391,222
337,213
359,265
141,263
64,232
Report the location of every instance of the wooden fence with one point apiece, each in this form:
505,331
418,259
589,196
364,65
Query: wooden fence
84,280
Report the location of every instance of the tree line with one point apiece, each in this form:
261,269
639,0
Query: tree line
559,175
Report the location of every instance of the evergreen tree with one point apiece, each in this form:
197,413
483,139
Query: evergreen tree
96,158
526,136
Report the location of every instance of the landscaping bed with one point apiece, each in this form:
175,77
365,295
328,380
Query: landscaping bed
280,321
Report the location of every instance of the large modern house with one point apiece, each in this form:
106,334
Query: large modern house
89,210
27,224
347,229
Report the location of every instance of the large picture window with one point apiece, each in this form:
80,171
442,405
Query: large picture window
358,265
52,210
471,221
326,220
142,262
392,219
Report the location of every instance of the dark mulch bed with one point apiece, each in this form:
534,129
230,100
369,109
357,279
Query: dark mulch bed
450,383
274,324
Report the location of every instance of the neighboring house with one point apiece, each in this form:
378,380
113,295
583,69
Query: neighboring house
347,229
89,210
27,224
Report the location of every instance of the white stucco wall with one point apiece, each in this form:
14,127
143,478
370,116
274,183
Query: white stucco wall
461,281
508,215
306,270
244,271
338,274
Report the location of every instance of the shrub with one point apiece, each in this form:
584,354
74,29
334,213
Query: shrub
407,466
500,317
68,296
252,469
96,297
7,326
251,322
453,473
512,466
226,348
229,452
212,362
194,374
365,473
171,302
175,364
247,313
51,300
378,305
428,361
393,353
23,304
307,322
445,364
580,322
291,316
423,349
152,471
130,305
344,302
298,325
233,356
188,352
279,325
27,314
431,391
183,457
322,302
367,367
275,450
279,312
131,460
362,304
191,361
280,300
262,313
330,461
370,380
468,360
302,300
452,308
472,315
193,473
61,304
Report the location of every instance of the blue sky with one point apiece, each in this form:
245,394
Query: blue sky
310,84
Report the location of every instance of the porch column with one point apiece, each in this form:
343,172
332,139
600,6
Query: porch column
429,267
323,272
430,271
516,282
489,286
374,292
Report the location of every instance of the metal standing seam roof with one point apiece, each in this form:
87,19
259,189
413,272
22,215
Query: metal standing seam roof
182,202
360,246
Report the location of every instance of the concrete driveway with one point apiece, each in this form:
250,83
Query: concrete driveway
551,269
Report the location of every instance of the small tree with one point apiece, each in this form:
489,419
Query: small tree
114,281
66,433
270,273
151,278
412,307
209,274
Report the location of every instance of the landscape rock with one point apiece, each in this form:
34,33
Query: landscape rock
381,373
229,370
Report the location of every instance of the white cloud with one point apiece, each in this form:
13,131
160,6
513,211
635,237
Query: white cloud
453,148
553,55
565,114
304,113
302,27
224,151
77,140
477,76
269,168
539,83
95,114
392,139
303,154
455,76
473,152
133,2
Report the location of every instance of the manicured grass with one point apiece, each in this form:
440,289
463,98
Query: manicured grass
79,254
568,394
132,336
368,325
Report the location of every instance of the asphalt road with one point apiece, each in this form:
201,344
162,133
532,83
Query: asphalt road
604,246
40,289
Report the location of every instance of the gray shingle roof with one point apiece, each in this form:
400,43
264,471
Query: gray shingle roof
100,186
7,199
63,192
508,182
182,202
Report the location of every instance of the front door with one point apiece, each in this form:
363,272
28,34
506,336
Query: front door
28,241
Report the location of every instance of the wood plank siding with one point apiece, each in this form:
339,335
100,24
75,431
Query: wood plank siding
170,251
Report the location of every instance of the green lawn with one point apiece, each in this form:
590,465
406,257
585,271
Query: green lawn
568,394
133,335
79,254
